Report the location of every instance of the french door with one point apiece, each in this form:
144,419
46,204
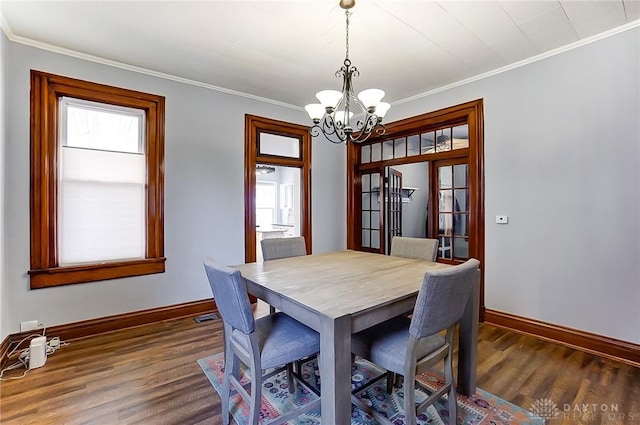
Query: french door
380,208
451,141
450,218
393,208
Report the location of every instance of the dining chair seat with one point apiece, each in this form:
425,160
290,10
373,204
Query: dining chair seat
386,343
276,332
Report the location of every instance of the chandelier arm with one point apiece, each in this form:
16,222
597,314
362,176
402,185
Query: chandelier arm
332,136
368,125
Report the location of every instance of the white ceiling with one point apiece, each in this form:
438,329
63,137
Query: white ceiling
288,50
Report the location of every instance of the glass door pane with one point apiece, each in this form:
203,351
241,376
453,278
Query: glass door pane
453,211
370,210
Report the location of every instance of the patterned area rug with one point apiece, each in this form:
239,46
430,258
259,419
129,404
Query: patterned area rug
480,409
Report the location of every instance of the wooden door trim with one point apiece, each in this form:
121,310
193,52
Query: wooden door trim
254,125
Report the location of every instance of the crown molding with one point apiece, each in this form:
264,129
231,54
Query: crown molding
524,62
56,49
91,58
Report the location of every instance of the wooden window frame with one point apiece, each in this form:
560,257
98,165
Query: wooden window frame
254,125
46,90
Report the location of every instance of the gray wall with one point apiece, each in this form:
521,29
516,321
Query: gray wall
3,141
562,159
204,193
414,212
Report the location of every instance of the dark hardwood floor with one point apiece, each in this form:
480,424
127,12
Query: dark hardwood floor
149,375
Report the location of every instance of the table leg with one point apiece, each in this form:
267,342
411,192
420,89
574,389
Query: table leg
335,371
468,344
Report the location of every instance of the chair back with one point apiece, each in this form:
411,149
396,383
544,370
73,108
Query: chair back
231,297
443,297
275,248
417,248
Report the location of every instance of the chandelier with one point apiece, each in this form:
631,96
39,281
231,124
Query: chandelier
332,117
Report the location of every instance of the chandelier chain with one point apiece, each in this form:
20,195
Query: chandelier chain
346,12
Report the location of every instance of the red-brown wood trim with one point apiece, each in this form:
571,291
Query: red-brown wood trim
4,351
475,120
46,90
254,125
56,276
353,204
92,327
436,156
451,115
250,149
600,345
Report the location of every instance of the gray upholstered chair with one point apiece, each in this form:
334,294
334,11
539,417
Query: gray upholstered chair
418,248
276,248
410,346
263,343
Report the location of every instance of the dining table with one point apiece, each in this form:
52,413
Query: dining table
343,292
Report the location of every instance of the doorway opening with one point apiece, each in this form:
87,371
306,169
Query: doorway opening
423,178
277,183
277,206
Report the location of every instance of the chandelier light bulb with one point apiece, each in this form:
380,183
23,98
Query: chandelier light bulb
381,109
340,117
371,97
329,98
315,111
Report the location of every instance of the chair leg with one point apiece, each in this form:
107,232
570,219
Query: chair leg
256,393
272,309
226,386
398,381
391,379
409,401
453,404
290,377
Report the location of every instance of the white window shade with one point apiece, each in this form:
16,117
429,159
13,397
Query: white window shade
102,206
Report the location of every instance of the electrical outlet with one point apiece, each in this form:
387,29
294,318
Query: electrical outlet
29,325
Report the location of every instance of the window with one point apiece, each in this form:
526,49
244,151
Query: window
97,155
265,203
445,139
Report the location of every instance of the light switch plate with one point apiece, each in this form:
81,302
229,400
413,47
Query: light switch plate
502,219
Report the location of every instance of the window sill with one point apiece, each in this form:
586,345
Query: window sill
58,276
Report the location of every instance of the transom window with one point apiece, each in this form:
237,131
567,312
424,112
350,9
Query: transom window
441,140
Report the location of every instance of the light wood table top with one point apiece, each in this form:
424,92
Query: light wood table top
340,283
